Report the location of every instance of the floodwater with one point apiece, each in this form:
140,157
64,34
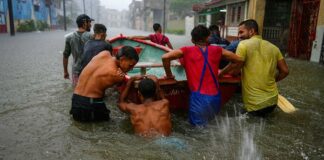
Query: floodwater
35,123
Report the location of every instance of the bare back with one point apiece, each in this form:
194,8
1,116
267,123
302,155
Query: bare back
151,119
101,72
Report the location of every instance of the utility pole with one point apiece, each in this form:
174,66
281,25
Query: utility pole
64,15
164,19
84,7
11,18
91,9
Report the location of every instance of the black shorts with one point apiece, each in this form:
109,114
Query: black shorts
86,109
263,112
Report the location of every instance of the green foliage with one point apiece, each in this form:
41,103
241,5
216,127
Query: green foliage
176,31
31,25
26,26
60,20
41,25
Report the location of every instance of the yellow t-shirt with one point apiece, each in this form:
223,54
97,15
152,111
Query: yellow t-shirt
259,88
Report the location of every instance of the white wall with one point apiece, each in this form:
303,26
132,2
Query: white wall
317,44
189,25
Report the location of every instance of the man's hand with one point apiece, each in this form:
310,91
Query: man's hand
134,78
153,77
220,74
169,76
66,75
137,77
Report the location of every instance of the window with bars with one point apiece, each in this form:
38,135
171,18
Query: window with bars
238,14
233,14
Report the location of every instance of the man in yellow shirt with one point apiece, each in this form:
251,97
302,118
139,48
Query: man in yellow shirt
259,73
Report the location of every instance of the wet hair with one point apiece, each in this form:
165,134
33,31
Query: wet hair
99,28
128,52
147,87
250,24
213,28
156,26
200,33
83,18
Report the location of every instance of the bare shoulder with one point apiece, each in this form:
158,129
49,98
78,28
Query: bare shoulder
165,101
161,104
104,53
131,107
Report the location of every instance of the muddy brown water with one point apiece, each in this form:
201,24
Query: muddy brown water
35,121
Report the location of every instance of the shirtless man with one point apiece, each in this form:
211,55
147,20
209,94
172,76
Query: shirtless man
102,72
152,117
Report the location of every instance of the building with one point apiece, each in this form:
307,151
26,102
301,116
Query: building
3,15
295,26
135,15
227,14
44,11
143,14
114,18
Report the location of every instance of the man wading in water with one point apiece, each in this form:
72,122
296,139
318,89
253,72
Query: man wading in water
103,71
74,43
152,117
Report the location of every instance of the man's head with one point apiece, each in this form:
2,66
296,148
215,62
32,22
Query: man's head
127,57
247,29
214,29
100,31
147,88
84,21
200,34
157,27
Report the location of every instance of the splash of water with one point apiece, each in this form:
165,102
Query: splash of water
248,149
238,137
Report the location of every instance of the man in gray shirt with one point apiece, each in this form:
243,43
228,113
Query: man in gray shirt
74,43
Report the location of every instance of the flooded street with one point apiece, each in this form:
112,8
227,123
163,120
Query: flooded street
35,123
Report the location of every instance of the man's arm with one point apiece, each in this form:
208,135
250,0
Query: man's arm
139,37
167,58
283,70
65,67
66,55
169,45
234,67
123,104
232,46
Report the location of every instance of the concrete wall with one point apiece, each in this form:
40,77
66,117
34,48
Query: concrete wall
189,25
256,11
321,14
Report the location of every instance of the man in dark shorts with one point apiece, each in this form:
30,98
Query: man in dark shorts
95,45
102,72
263,66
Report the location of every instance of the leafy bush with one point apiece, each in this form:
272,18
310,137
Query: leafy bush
26,26
30,25
176,31
60,20
41,25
